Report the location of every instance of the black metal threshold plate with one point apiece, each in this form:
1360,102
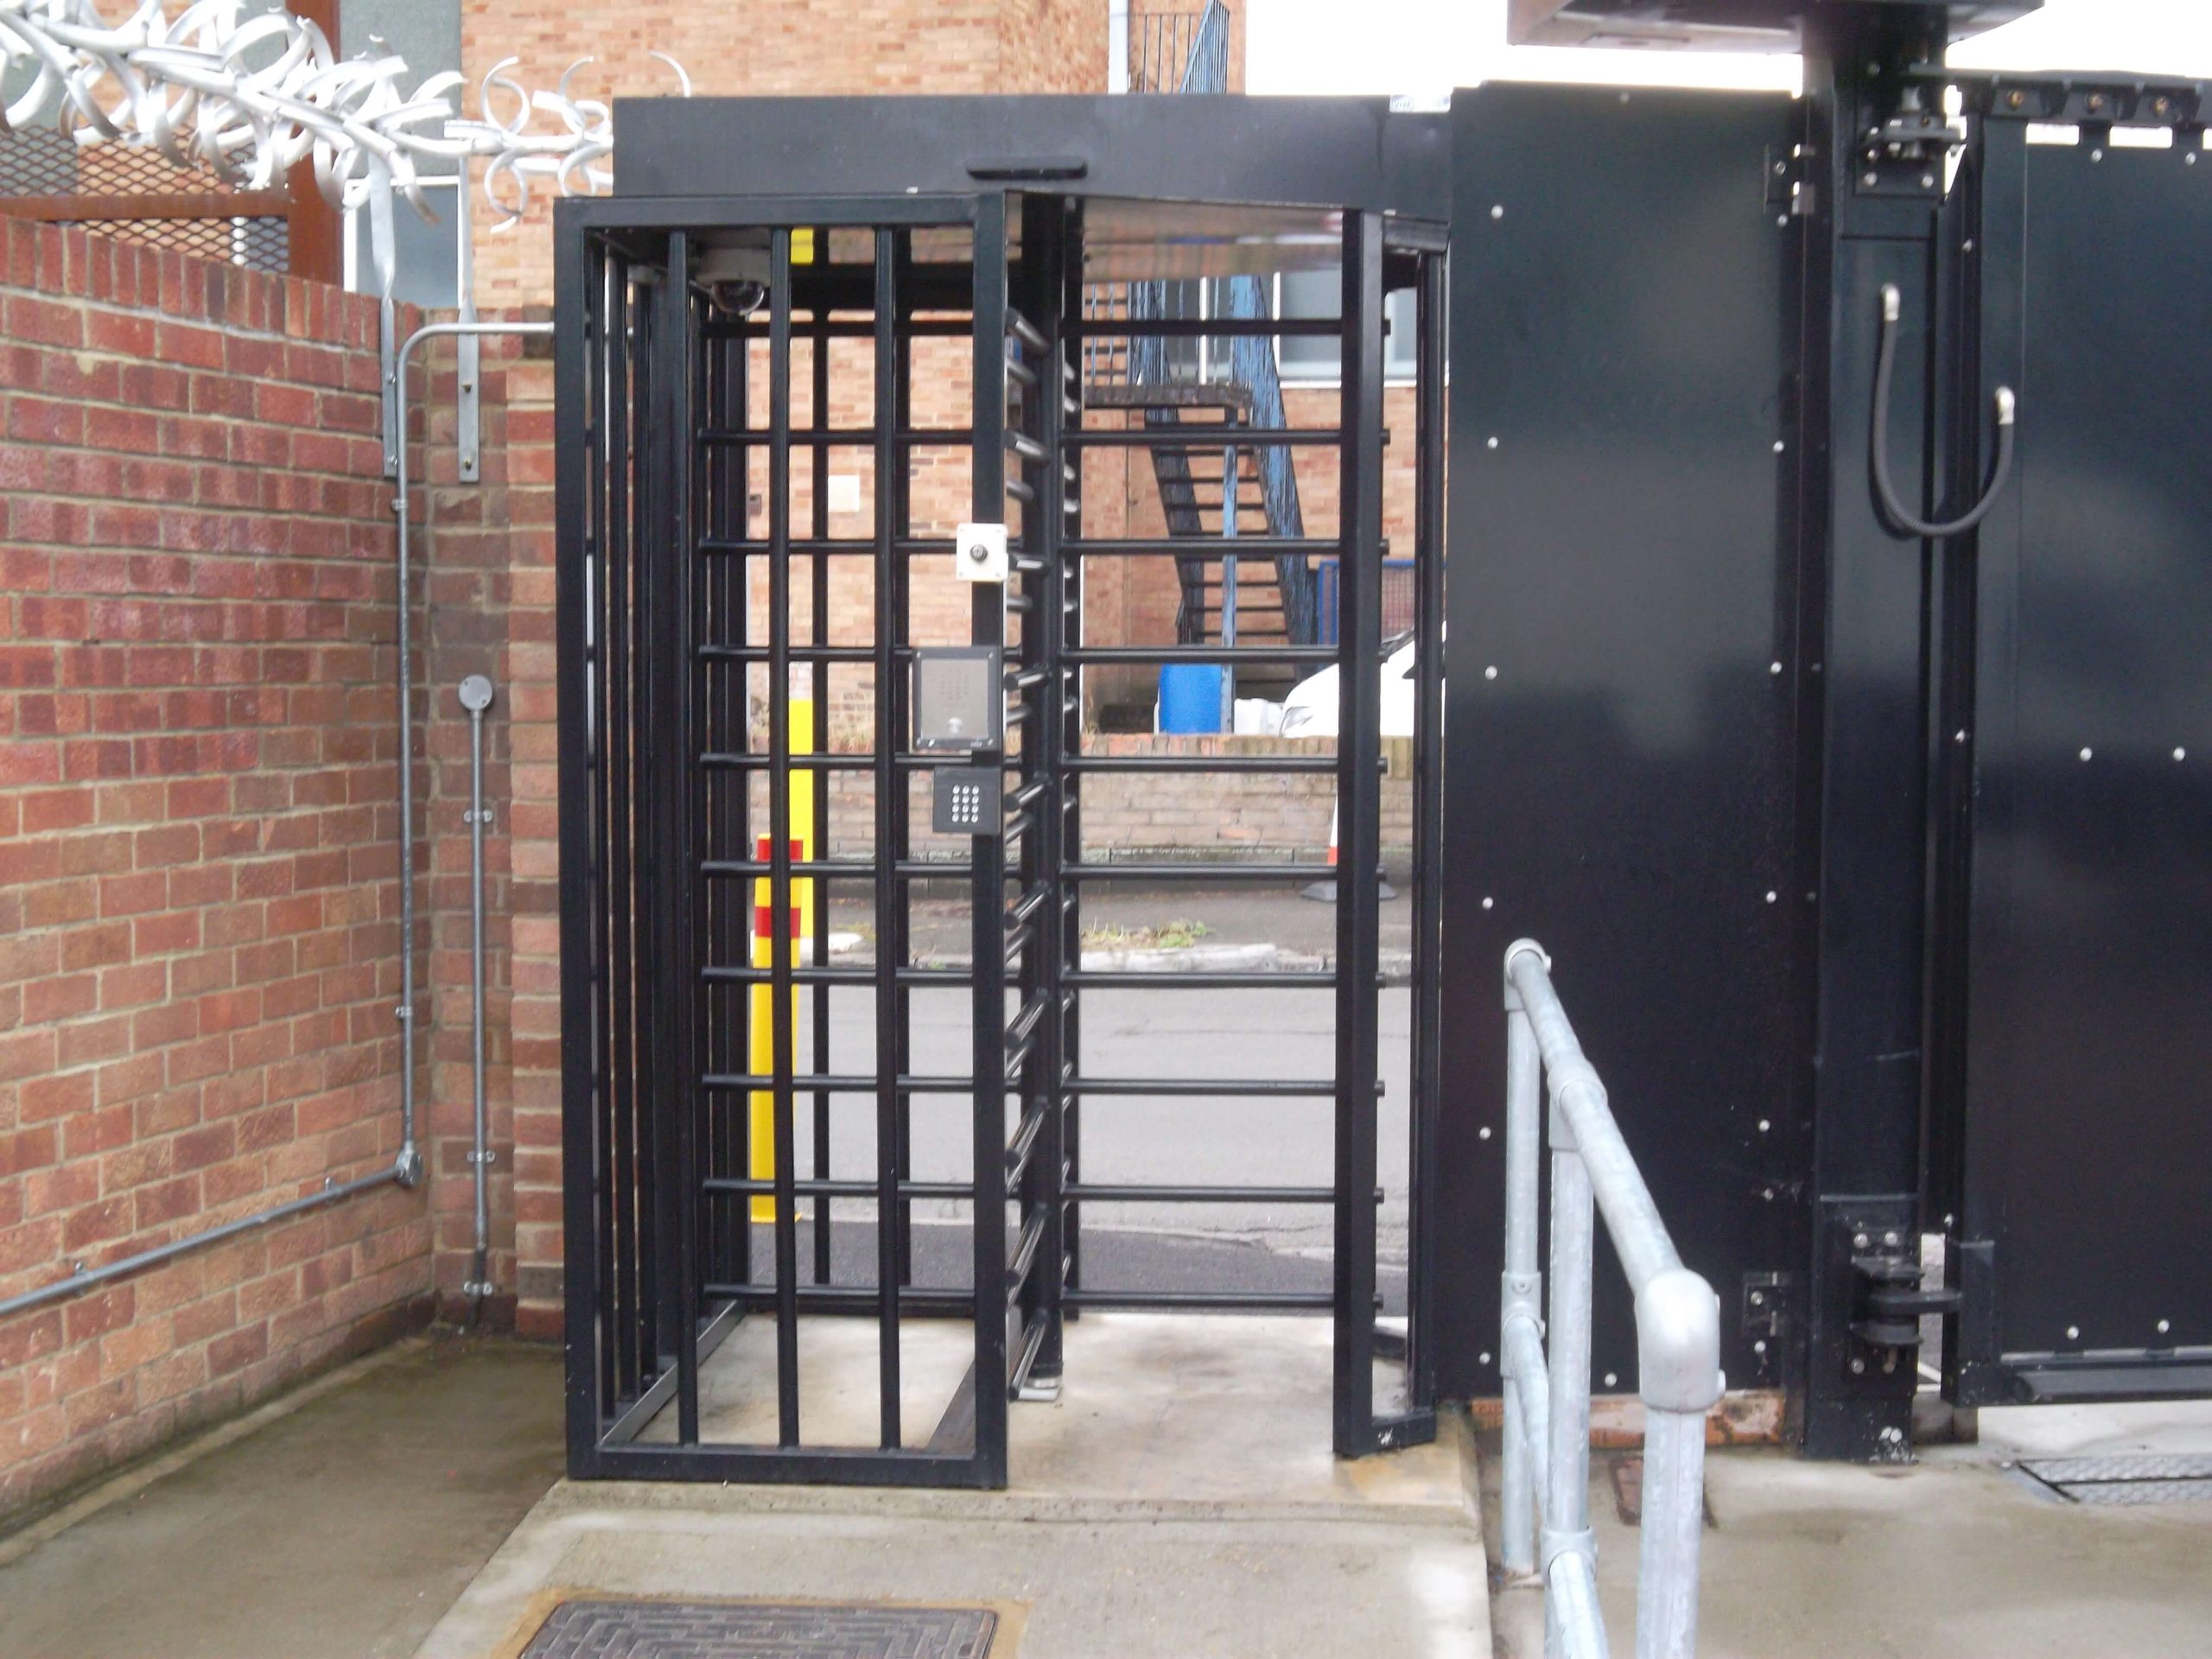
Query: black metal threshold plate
604,1627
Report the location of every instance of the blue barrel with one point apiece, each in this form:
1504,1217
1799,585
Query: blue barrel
1190,697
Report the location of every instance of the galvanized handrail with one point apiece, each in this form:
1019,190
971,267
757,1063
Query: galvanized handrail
1548,1399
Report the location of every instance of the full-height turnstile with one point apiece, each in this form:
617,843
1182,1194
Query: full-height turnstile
740,662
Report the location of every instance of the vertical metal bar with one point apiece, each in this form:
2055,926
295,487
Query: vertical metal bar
596,607
1422,1289
819,781
1521,1286
1673,1529
1065,612
579,336
779,828
898,947
987,627
1359,636
721,1216
618,577
1567,1501
890,896
676,879
737,1112
1049,733
648,752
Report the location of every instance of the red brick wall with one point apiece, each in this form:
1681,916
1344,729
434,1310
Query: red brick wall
782,47
198,930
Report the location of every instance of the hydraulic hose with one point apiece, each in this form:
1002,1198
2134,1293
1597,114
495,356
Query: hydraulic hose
1901,518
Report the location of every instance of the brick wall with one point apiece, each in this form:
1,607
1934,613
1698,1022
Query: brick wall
783,47
1223,815
198,928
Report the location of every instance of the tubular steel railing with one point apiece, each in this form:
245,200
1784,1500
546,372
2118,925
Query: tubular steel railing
1547,1397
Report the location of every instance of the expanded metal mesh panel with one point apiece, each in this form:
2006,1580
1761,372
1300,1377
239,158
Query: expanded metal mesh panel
40,162
258,244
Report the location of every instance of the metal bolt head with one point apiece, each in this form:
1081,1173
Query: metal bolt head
1759,1347
1927,181
2165,1325
2014,100
1858,1368
1758,1299
1765,1125
1491,673
1891,1239
1870,180
1497,212
2087,752
2073,1333
2181,754
2096,101
1859,1241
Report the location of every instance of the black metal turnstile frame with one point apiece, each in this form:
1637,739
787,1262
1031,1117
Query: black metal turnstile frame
658,831
661,764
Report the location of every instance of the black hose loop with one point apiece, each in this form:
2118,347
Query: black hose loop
1900,520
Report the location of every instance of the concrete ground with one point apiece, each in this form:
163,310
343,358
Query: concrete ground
1178,1500
1961,1554
343,1522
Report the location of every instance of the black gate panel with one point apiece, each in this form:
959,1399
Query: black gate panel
2080,1247
1626,669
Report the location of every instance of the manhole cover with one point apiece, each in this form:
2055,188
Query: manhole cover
701,1630
2142,1479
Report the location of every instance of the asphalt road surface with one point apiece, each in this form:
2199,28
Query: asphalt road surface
1169,1033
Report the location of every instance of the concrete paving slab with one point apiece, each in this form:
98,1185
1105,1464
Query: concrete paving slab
1179,1499
344,1523
1960,1555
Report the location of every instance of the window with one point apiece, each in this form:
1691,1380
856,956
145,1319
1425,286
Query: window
1314,357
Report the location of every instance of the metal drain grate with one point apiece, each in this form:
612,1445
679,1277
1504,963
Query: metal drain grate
705,1630
2127,1480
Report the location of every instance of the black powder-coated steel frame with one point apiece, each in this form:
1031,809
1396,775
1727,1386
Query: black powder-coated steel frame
2073,897
658,831
661,769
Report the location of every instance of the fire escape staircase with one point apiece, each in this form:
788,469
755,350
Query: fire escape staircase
1209,388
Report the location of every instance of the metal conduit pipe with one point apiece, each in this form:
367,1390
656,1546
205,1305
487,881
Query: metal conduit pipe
83,1279
410,1153
476,697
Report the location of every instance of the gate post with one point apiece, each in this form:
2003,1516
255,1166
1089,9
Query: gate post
1876,210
